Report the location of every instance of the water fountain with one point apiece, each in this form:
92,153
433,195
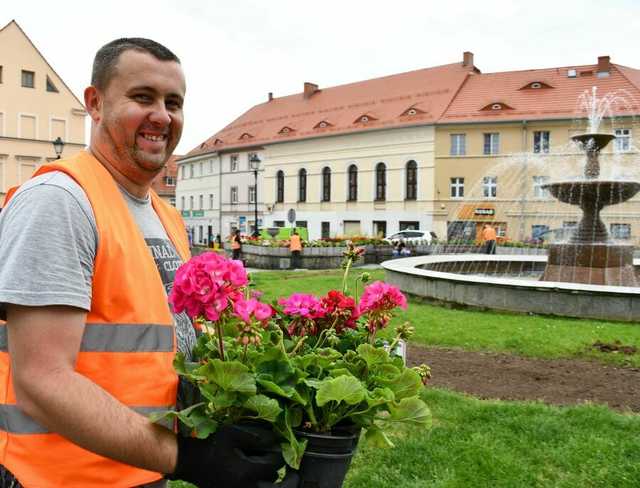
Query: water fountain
590,275
591,256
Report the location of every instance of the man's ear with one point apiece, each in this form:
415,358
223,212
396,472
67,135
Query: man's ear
93,103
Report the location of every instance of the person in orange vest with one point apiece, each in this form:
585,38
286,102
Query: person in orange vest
88,253
236,244
489,239
295,246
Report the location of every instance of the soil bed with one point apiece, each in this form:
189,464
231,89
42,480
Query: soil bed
553,381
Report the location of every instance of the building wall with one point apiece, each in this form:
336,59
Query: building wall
393,147
516,206
31,118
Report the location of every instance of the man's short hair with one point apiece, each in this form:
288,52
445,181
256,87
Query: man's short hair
104,64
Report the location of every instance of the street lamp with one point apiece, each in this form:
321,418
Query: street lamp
58,146
254,164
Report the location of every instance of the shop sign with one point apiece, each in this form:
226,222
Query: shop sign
197,213
484,211
186,213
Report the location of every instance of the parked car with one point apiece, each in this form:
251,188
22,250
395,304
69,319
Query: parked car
410,237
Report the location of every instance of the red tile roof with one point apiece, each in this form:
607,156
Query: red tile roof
385,102
171,169
558,101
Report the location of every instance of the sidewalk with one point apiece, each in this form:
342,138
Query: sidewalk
364,266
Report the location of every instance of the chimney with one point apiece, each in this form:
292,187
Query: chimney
467,59
309,89
270,96
604,64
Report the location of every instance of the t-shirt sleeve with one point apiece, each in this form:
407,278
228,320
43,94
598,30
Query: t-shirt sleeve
47,249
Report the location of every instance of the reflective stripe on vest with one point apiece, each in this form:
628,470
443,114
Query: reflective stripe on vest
118,338
14,421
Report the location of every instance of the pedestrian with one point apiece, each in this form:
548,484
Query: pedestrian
295,246
236,244
489,239
217,244
88,252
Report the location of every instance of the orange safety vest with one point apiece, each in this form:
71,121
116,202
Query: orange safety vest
235,242
127,348
295,243
489,234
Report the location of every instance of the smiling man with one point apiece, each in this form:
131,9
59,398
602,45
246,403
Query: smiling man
88,256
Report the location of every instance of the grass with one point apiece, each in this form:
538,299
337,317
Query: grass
525,335
497,444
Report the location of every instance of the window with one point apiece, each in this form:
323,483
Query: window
234,194
234,162
381,182
623,140
380,228
409,225
28,79
210,201
211,166
490,186
252,194
302,223
411,192
326,184
170,180
280,187
537,231
457,187
621,231
201,169
353,183
458,145
191,170
182,203
201,202
200,233
172,201
50,86
325,231
183,172
302,185
278,223
541,141
538,191
491,143
191,202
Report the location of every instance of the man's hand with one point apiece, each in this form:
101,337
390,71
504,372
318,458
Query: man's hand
236,456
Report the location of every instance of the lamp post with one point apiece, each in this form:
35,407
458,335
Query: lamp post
254,163
58,146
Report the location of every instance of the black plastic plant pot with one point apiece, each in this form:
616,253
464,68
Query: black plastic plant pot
327,458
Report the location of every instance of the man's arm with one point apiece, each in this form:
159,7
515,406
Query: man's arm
43,344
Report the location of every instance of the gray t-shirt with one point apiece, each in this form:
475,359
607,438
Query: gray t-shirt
48,243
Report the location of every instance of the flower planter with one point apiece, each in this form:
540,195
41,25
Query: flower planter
327,458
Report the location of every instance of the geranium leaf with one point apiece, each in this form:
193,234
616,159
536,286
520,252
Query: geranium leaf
286,391
265,407
411,410
372,355
407,384
231,375
345,389
223,400
376,437
292,452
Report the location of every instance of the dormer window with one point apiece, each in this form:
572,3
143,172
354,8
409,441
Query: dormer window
363,119
245,136
412,111
217,142
536,85
497,106
285,130
323,124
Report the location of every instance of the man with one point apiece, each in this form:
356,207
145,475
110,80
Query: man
489,239
88,253
295,246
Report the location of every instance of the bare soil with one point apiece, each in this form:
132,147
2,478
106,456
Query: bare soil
554,381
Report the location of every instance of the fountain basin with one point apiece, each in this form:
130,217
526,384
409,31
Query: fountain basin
601,192
483,281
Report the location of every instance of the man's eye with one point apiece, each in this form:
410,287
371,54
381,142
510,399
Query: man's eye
142,98
173,104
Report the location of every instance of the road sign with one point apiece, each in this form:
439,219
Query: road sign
291,216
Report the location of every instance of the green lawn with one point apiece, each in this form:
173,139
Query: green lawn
526,335
496,444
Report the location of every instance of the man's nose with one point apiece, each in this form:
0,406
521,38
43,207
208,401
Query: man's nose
160,115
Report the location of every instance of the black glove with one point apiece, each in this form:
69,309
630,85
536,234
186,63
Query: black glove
236,456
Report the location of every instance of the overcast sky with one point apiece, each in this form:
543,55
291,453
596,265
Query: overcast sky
234,53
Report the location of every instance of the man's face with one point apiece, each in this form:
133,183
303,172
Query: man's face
139,121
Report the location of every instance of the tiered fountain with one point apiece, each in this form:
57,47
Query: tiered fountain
591,256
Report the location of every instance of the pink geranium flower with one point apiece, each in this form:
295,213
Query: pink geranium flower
302,305
377,302
206,285
252,309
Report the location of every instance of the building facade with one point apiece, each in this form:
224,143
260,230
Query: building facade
164,184
36,107
444,150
